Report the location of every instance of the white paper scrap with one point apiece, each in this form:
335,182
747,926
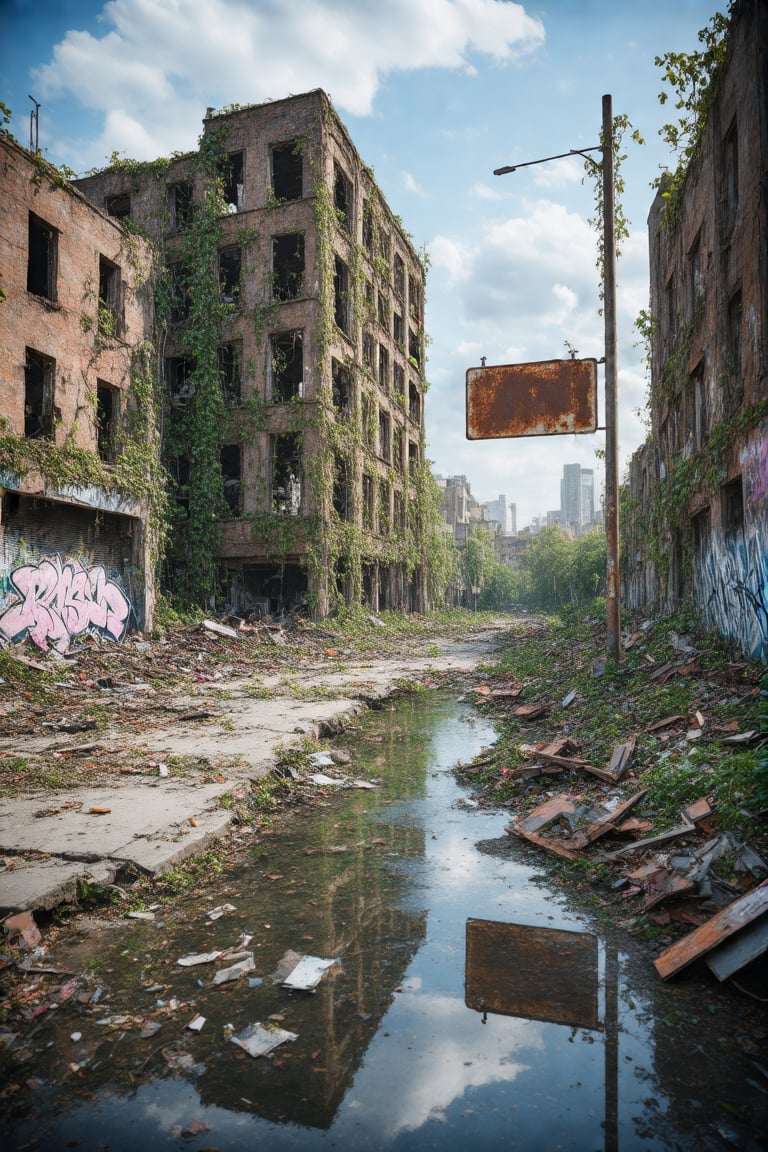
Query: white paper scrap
257,1040
308,973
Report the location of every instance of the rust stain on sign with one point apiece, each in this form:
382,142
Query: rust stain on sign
545,398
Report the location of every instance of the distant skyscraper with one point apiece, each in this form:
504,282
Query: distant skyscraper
577,496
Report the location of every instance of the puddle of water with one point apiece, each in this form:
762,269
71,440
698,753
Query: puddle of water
432,1033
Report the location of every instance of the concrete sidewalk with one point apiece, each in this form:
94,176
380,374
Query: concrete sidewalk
52,841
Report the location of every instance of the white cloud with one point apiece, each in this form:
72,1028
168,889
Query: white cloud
557,173
412,185
156,54
485,192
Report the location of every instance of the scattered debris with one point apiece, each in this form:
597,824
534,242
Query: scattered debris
308,973
720,927
260,1039
196,1024
243,963
217,913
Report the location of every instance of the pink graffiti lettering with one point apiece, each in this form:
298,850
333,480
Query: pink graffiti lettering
62,599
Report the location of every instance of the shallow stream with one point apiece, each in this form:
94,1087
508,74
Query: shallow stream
471,1008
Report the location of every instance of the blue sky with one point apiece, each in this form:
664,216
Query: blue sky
436,94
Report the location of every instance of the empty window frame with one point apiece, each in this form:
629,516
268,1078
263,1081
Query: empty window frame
399,511
398,270
341,309
288,171
39,377
230,265
413,457
42,258
231,370
342,198
383,368
367,230
733,336
398,441
179,470
398,381
385,443
180,200
369,502
385,509
119,205
398,330
178,376
288,265
385,247
341,385
232,184
107,411
342,488
370,302
232,477
698,412
414,297
286,453
180,297
695,276
732,509
368,420
414,402
367,349
383,310
414,348
287,366
701,526
730,177
110,299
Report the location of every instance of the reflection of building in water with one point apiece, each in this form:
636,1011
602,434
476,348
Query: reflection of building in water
350,908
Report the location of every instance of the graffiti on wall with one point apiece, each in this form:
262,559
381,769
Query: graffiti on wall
60,599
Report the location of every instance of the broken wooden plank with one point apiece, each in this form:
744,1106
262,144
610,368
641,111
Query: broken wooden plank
698,810
545,813
663,884
542,842
219,629
663,674
530,711
671,834
739,951
621,758
667,722
600,827
717,929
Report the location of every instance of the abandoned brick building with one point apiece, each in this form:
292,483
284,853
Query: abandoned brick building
76,543
306,350
697,520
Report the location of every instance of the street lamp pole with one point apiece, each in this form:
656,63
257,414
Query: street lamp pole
611,392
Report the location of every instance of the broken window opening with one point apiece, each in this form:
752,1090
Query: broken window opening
182,208
369,420
178,375
385,509
398,271
701,527
341,384
42,258
232,477
413,457
414,298
368,227
695,275
180,297
110,321
287,375
398,330
398,381
383,311
383,368
230,370
288,265
414,403
369,502
399,511
341,310
732,509
107,403
367,349
287,171
385,246
286,474
119,205
698,408
414,348
397,448
384,445
730,179
342,503
230,263
180,472
230,174
39,376
342,198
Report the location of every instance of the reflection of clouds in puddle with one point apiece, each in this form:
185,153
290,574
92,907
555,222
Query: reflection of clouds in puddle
453,1052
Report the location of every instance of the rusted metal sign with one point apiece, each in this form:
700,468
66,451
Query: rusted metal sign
534,973
545,398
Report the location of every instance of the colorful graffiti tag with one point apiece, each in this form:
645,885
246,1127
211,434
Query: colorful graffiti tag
60,599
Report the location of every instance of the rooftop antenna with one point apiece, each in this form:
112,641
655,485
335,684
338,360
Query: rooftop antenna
34,117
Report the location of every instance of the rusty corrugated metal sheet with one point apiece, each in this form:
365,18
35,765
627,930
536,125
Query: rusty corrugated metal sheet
531,972
544,398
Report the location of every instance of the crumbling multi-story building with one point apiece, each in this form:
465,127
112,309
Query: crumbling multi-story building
294,362
79,446
696,522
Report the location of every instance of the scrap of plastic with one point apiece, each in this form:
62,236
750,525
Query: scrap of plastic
320,778
320,759
235,970
198,958
308,973
257,1040
215,913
